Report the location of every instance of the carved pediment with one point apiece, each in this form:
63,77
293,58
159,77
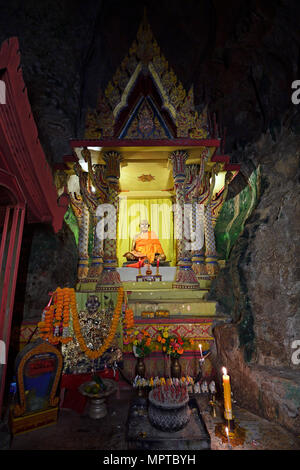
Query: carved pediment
146,98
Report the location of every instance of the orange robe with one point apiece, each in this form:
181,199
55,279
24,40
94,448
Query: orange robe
148,244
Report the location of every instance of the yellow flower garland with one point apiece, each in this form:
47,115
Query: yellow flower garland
56,316
113,328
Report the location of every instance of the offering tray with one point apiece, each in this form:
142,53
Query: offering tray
97,401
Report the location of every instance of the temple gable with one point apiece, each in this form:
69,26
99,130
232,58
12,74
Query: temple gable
145,99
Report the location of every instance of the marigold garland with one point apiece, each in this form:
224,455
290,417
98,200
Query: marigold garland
95,354
129,318
54,326
128,326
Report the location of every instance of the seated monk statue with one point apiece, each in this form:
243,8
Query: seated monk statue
145,246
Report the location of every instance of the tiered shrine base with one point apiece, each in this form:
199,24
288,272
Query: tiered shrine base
157,304
189,316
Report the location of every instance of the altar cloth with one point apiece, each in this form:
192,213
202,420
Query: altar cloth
129,274
71,398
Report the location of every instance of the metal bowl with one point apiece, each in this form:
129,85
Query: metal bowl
168,417
111,387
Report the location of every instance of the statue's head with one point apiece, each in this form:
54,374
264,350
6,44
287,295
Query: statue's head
144,225
92,304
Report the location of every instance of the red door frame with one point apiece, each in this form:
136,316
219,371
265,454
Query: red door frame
10,248
24,171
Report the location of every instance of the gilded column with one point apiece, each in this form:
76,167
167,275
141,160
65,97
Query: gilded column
96,266
82,214
211,256
185,277
212,212
196,187
198,258
110,278
90,201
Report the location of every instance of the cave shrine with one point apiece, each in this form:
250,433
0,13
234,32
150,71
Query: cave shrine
129,293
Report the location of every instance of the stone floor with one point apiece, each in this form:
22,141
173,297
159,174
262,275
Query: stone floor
80,432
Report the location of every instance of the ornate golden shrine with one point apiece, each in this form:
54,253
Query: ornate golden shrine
145,131
146,142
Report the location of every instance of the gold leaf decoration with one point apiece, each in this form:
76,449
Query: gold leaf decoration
145,52
145,178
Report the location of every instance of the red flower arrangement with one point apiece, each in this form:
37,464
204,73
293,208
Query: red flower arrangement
173,345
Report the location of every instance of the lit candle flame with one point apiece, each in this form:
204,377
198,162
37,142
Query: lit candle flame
226,430
224,370
201,355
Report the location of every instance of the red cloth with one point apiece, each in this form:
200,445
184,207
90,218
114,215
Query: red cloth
73,399
134,265
139,264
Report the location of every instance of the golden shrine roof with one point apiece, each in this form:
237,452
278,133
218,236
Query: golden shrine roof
145,58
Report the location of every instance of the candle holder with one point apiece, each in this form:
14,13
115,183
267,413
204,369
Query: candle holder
148,270
213,404
227,430
230,425
200,373
139,275
234,435
230,432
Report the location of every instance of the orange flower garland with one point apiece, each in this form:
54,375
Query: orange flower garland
128,326
56,318
114,325
46,326
129,319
